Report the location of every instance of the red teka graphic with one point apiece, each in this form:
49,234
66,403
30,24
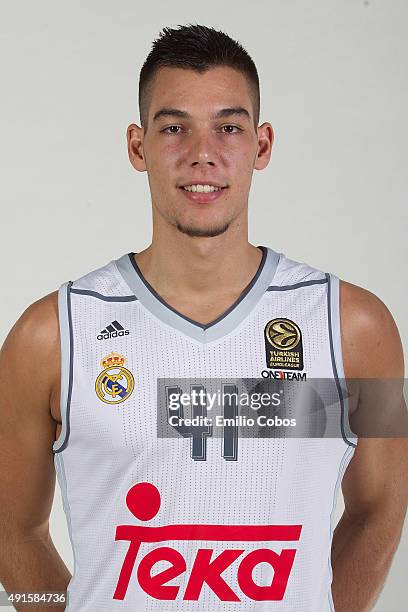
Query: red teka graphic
143,500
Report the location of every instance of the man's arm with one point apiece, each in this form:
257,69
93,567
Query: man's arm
29,381
375,483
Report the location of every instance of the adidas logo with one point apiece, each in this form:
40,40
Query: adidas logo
113,330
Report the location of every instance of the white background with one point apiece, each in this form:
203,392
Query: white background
333,84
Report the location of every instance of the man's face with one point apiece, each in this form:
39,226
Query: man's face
200,130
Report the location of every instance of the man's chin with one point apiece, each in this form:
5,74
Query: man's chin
202,231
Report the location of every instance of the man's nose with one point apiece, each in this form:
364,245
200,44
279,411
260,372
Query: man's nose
202,151
203,158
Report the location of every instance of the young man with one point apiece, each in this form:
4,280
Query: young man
163,513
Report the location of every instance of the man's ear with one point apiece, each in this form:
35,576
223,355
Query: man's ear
265,141
135,147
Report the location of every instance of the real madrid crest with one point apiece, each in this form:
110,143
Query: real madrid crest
115,383
283,345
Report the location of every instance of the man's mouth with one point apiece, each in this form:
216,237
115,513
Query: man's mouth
203,192
202,188
199,188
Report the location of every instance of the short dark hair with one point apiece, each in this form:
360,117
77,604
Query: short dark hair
195,47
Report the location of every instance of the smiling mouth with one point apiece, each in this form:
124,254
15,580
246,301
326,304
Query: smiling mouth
202,188
202,194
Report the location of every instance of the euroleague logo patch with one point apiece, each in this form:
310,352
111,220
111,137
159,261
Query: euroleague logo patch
115,383
283,345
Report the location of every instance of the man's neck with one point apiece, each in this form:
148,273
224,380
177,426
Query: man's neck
199,269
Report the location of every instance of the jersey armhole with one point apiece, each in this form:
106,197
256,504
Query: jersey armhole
333,298
66,347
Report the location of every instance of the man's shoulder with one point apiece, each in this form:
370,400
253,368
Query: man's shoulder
362,311
370,338
371,343
38,324
363,307
33,342
30,351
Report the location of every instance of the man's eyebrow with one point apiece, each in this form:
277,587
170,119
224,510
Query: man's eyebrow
234,110
224,112
170,112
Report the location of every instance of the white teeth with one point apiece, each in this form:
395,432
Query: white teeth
201,188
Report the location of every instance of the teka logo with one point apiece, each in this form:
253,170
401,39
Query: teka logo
143,500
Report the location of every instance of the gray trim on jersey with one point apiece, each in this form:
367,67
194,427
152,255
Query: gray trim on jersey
218,328
105,298
333,307
318,281
66,345
62,479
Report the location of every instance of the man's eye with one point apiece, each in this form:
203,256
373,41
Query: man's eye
229,129
176,129
171,129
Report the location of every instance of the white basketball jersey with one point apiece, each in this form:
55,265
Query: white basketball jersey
174,515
